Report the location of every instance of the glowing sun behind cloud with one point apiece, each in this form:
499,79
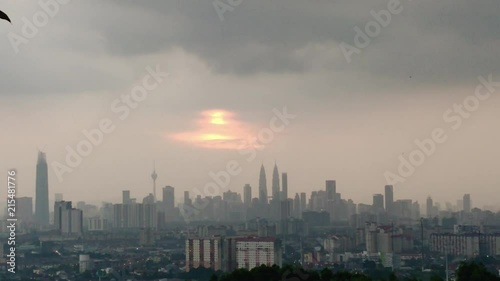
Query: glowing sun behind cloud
218,129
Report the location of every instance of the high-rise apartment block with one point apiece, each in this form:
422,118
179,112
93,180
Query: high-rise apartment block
228,254
68,220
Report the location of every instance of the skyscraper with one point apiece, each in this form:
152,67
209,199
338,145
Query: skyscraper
276,183
467,203
42,191
430,207
378,202
126,196
72,221
247,195
296,206
59,207
303,202
284,183
168,197
331,191
187,200
262,185
389,199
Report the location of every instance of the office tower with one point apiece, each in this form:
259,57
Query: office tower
389,199
230,196
276,183
168,197
430,207
331,189
150,216
283,210
119,221
467,203
303,202
284,183
403,208
71,221
67,220
416,211
187,200
350,208
107,212
378,202
42,191
154,176
297,210
262,186
247,195
59,207
126,197
24,209
58,197
313,201
255,251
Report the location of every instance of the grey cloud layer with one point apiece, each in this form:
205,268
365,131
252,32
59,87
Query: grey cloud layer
435,42
428,38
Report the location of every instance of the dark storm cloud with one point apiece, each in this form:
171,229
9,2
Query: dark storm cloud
258,36
434,42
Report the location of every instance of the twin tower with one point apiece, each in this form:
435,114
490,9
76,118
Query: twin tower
278,194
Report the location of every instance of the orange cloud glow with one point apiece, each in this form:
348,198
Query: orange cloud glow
218,129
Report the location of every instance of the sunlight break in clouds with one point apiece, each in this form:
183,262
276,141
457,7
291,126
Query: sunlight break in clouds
218,130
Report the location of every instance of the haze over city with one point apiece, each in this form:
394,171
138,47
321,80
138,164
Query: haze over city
352,120
242,140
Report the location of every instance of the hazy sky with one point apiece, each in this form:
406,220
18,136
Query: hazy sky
352,120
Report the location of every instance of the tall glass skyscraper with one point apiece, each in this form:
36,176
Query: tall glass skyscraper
262,186
247,195
42,191
276,183
284,186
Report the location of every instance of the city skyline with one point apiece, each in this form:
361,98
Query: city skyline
185,139
331,190
353,120
379,200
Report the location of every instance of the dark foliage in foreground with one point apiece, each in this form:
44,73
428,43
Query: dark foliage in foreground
467,272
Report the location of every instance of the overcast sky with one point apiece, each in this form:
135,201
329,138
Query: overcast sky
353,120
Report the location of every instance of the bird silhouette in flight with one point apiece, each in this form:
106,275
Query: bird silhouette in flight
4,16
